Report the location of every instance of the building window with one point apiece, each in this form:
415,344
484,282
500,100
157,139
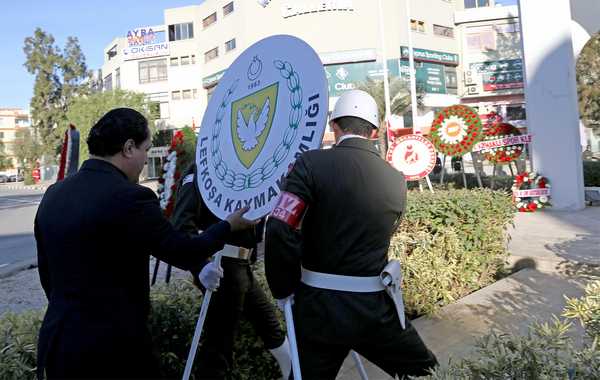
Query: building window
230,45
443,31
208,21
108,83
451,80
112,52
516,112
417,26
228,9
193,59
477,3
185,60
481,39
176,95
1,135
174,61
118,78
211,54
153,71
186,94
183,31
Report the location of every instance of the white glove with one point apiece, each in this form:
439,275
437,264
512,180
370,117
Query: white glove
281,302
210,276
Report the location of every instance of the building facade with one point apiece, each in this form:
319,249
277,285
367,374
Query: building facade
12,120
201,41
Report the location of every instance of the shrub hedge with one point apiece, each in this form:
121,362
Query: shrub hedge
591,173
451,243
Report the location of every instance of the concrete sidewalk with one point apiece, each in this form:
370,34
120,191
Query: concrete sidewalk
560,252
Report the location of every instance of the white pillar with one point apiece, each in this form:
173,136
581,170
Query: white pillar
551,99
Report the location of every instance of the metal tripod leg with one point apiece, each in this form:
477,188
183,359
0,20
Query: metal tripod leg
359,366
289,321
196,340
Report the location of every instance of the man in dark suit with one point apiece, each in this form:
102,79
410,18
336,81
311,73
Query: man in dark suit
326,245
95,231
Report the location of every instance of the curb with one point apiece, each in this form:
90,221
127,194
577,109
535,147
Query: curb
18,267
23,187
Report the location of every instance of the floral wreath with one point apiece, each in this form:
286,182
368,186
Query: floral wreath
176,162
530,181
455,130
503,154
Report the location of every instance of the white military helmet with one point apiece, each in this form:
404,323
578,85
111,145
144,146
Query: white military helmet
359,104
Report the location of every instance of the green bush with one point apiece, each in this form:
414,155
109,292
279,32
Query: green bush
546,352
175,310
455,181
18,344
450,243
591,173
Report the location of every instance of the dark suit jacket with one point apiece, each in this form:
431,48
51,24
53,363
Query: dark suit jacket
95,231
354,203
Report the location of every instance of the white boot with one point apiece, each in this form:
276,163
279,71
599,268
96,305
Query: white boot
283,357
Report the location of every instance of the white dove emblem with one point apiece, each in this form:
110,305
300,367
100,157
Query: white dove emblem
249,132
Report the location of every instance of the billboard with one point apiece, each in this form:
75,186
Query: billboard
500,75
146,42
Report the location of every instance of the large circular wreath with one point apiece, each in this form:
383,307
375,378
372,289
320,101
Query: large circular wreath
455,130
503,154
529,181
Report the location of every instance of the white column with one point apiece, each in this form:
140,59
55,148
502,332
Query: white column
551,98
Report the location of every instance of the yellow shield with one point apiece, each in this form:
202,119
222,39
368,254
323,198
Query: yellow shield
251,119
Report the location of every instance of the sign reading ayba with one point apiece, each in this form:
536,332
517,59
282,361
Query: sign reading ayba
145,42
269,107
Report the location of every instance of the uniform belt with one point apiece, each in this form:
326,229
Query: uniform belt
339,282
235,252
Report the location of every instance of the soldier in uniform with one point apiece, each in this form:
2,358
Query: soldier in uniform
326,245
239,293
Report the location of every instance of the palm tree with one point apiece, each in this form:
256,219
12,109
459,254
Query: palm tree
399,100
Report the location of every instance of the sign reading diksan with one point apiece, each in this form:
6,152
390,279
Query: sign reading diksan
269,107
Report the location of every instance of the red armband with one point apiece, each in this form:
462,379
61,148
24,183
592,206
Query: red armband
289,209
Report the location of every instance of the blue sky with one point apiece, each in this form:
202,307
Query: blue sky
94,22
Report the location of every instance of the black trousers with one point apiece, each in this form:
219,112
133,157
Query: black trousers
239,295
331,323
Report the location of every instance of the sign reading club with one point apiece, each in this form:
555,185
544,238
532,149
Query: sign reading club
269,107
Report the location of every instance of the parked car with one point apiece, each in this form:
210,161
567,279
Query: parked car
3,178
15,178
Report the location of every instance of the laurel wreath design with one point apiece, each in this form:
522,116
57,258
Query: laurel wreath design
241,181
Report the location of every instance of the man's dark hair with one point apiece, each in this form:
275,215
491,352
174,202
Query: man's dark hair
110,133
354,125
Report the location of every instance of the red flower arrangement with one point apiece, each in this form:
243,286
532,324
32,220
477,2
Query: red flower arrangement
539,195
504,154
455,130
176,161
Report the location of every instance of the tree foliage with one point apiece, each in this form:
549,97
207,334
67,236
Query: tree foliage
588,83
28,150
399,100
60,77
85,111
4,160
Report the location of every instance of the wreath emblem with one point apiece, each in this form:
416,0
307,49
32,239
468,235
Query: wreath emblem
455,130
503,154
532,202
180,155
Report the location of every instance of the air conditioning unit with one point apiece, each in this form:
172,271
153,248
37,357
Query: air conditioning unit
469,78
472,90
